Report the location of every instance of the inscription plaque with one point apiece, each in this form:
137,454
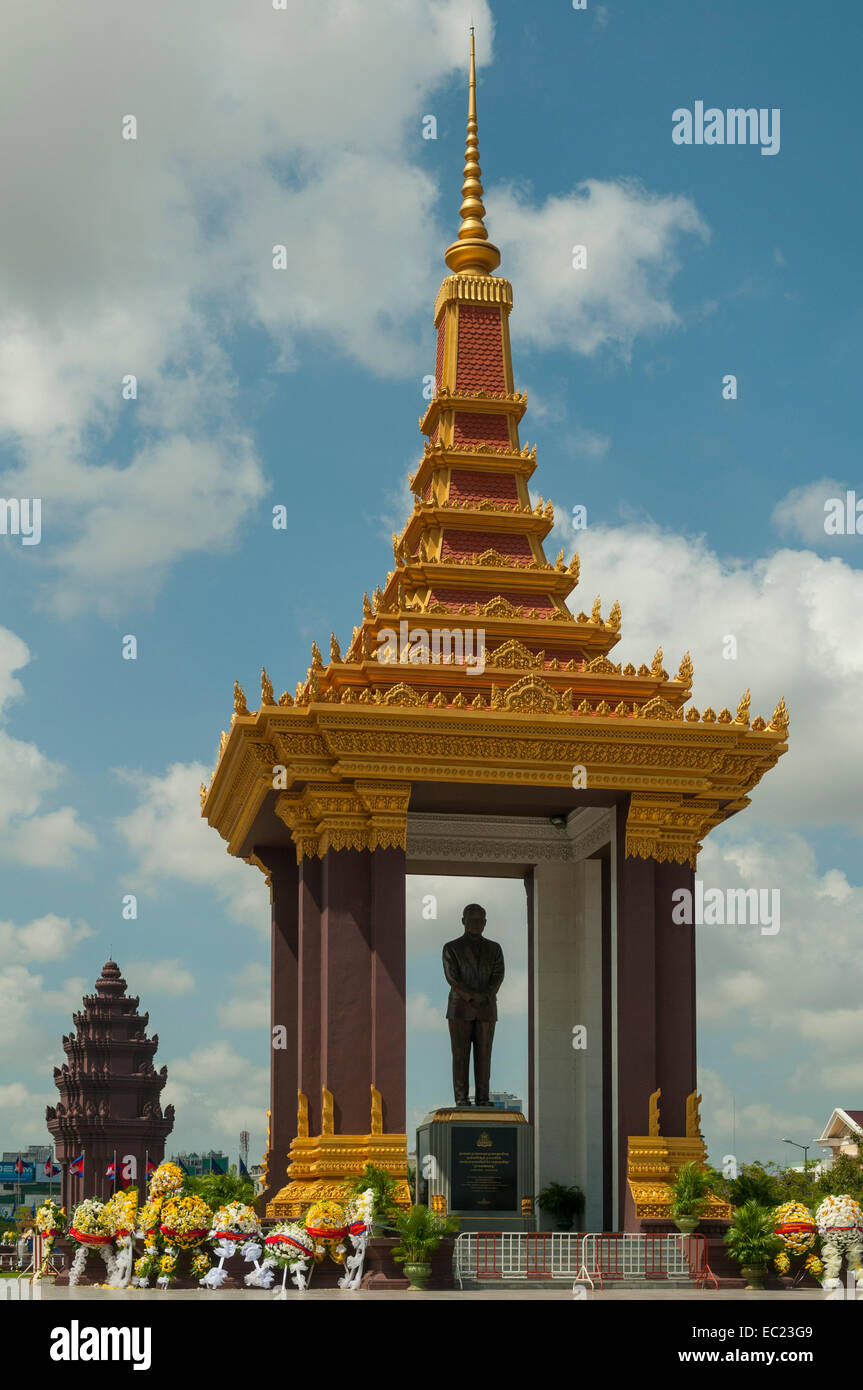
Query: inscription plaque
484,1169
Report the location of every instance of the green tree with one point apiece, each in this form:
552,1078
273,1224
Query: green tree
217,1189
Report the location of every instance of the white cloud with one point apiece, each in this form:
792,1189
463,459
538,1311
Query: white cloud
793,614
217,1092
171,840
800,514
45,938
169,977
249,1006
633,246
246,141
53,839
758,1125
422,1016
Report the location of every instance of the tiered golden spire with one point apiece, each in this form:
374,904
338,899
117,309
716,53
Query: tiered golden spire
472,253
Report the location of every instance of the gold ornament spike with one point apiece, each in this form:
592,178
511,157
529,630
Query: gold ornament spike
549,511
558,564
366,645
574,567
203,795
298,698
686,671
317,659
395,547
302,1116
239,699
472,253
267,696
335,650
286,700
742,716
377,599
656,663
780,721
327,1120
653,1114
693,1116
614,617
367,606
596,613
377,1114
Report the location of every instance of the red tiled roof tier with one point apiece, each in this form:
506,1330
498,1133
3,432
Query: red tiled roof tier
454,598
480,350
475,542
467,485
475,427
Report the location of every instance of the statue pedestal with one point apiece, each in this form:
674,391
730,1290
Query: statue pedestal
476,1163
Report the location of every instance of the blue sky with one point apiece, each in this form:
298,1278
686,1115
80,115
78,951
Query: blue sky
303,387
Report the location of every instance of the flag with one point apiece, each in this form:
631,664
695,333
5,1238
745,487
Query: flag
182,1167
244,1172
51,1169
109,1171
151,1167
76,1167
19,1166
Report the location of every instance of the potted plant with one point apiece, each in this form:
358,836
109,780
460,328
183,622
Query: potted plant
384,1190
689,1193
752,1241
562,1203
420,1232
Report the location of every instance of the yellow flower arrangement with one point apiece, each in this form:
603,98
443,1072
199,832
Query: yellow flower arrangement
149,1216
121,1213
186,1222
167,1179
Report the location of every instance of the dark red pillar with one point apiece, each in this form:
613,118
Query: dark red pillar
281,864
655,1002
388,984
309,1005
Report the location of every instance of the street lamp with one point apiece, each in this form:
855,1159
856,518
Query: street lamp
804,1147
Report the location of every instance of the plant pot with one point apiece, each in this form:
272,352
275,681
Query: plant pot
687,1224
753,1275
417,1276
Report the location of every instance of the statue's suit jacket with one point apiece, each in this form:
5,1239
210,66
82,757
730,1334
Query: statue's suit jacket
478,973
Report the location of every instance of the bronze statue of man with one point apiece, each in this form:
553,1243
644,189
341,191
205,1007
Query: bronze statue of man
474,971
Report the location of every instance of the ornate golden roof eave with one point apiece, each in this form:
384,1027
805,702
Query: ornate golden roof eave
513,404
684,777
431,514
475,457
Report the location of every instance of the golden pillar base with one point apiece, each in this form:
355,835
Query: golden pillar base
321,1166
653,1161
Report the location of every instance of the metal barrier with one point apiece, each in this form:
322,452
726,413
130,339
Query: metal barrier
583,1256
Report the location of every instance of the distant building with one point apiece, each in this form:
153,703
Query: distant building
198,1165
504,1100
843,1134
109,1114
32,1186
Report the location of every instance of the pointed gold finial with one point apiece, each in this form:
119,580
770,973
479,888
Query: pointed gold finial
472,253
